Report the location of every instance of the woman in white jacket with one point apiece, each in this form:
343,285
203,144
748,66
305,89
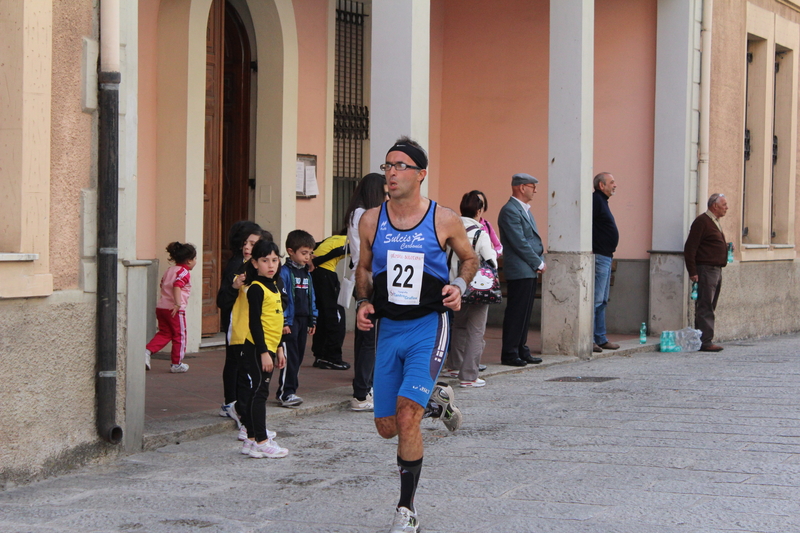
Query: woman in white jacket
370,192
469,324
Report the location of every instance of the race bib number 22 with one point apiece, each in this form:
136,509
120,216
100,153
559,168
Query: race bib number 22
404,276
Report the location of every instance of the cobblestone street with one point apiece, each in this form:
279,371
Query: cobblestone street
672,442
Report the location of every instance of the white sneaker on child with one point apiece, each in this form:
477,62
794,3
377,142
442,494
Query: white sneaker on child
292,400
177,369
268,448
229,410
243,434
247,445
366,405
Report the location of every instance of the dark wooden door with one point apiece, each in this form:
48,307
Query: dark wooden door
212,183
236,125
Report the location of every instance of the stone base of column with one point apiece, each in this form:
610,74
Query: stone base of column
669,289
568,304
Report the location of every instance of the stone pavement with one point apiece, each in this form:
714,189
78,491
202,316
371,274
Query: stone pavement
674,442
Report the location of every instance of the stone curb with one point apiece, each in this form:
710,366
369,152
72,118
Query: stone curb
182,428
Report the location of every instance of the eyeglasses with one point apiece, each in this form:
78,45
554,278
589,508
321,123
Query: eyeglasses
386,167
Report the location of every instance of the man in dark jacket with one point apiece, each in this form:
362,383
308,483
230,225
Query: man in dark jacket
705,253
605,238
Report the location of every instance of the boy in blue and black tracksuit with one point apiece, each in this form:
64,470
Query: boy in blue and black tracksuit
300,312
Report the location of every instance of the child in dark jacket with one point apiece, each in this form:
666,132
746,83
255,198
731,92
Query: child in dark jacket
242,237
299,315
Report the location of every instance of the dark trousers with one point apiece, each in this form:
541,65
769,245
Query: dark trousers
709,284
252,392
519,305
364,362
230,372
327,341
295,346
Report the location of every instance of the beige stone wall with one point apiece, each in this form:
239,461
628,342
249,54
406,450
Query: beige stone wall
47,344
47,393
71,141
758,298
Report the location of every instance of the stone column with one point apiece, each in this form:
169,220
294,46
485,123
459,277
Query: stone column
674,160
568,285
400,75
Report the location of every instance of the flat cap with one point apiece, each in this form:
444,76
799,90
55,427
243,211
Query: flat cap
522,179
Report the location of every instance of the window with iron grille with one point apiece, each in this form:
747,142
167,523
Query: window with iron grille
350,116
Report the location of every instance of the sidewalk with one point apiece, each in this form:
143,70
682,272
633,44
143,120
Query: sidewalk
181,407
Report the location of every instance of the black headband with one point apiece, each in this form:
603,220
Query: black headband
416,154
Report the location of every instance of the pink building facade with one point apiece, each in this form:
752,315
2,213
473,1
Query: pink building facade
223,103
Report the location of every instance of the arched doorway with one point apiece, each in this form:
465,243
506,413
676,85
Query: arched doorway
180,132
227,146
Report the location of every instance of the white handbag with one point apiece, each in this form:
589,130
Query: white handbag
347,285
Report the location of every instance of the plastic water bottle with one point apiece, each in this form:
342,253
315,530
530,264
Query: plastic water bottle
668,342
643,333
694,291
730,252
688,339
664,345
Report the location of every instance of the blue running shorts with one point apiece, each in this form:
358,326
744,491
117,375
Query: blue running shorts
409,355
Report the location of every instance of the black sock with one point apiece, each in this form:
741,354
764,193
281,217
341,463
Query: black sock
409,478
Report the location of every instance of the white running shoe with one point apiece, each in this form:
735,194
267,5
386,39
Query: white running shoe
292,400
366,405
268,448
177,369
449,373
247,445
243,434
147,355
451,415
405,521
230,411
473,384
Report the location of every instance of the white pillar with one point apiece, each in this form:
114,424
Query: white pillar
400,78
568,285
674,159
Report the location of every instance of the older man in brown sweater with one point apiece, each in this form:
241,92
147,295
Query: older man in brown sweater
705,253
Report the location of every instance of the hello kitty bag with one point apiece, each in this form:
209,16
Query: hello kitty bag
485,286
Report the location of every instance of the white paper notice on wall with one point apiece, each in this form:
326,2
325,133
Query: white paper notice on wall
311,181
300,178
306,176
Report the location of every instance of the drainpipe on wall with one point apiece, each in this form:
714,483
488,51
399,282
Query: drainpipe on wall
705,107
108,222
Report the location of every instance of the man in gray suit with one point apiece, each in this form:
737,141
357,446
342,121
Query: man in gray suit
522,263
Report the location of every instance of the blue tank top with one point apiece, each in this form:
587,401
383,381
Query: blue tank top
409,268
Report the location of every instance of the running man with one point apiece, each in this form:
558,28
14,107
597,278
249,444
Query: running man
402,279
